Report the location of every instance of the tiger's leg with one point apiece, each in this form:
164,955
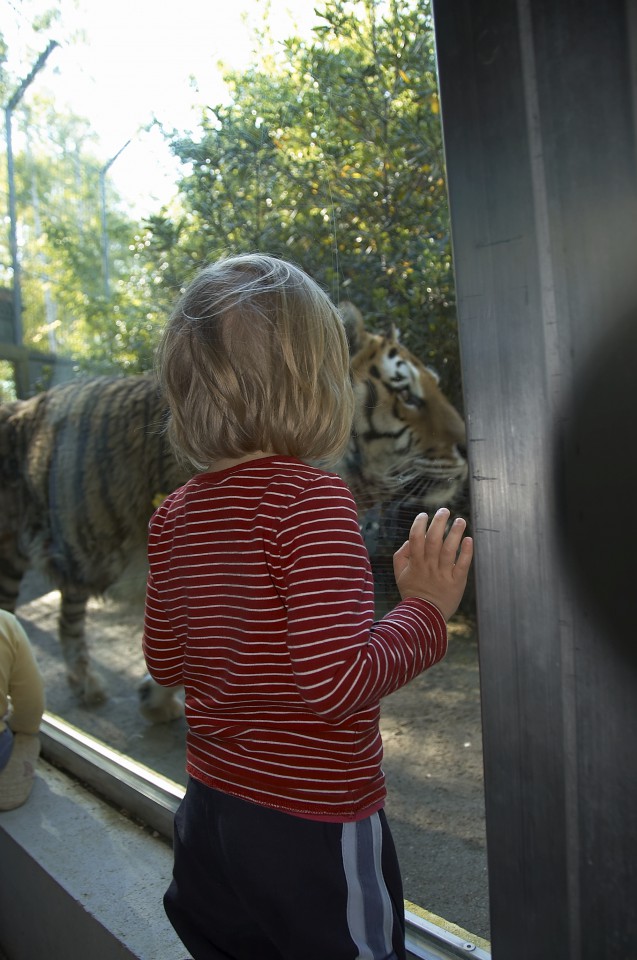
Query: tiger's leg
13,566
158,704
71,626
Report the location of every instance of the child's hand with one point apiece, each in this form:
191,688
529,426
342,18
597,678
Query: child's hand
429,566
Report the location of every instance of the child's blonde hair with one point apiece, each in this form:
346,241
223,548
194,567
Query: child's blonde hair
255,357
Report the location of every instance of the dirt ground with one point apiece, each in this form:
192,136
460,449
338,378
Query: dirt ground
431,731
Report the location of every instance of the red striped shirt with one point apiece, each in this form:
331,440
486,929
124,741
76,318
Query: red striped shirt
260,601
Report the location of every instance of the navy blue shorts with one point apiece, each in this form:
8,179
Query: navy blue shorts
251,883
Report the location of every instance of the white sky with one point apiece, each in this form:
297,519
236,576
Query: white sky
139,59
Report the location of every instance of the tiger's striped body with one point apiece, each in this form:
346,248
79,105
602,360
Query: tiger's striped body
79,467
82,465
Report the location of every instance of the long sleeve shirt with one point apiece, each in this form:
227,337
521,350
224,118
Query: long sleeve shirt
20,678
260,601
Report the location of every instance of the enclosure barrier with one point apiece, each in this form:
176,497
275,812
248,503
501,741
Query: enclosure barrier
152,800
539,114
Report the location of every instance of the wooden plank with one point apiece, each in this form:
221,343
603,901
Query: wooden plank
538,117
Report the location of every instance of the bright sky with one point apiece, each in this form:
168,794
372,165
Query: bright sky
139,59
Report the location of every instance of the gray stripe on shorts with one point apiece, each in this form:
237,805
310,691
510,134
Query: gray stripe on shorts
369,909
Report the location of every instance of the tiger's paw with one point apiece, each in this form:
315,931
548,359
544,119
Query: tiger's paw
89,688
158,704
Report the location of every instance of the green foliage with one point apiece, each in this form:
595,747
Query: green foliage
67,307
7,385
330,154
57,196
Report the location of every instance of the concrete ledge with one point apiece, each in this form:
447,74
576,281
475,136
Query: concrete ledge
430,937
81,880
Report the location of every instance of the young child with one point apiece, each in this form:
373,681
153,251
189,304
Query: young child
260,601
20,681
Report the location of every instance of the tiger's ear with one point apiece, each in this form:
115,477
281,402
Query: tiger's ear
354,325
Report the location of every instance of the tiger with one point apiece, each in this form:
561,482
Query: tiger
407,438
84,464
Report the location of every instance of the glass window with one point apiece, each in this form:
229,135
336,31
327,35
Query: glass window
132,160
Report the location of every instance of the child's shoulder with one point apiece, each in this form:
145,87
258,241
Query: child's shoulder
282,478
306,475
301,487
9,622
11,630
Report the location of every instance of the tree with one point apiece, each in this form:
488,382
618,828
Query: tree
66,307
329,152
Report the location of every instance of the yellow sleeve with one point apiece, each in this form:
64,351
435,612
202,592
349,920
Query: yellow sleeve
20,678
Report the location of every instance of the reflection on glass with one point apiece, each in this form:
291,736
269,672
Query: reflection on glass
322,144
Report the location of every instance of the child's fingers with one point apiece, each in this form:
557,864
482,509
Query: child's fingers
439,522
401,558
453,540
417,533
436,531
418,527
464,558
403,551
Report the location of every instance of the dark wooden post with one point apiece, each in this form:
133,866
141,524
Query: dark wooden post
539,104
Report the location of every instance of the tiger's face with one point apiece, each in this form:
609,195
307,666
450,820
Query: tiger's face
407,436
